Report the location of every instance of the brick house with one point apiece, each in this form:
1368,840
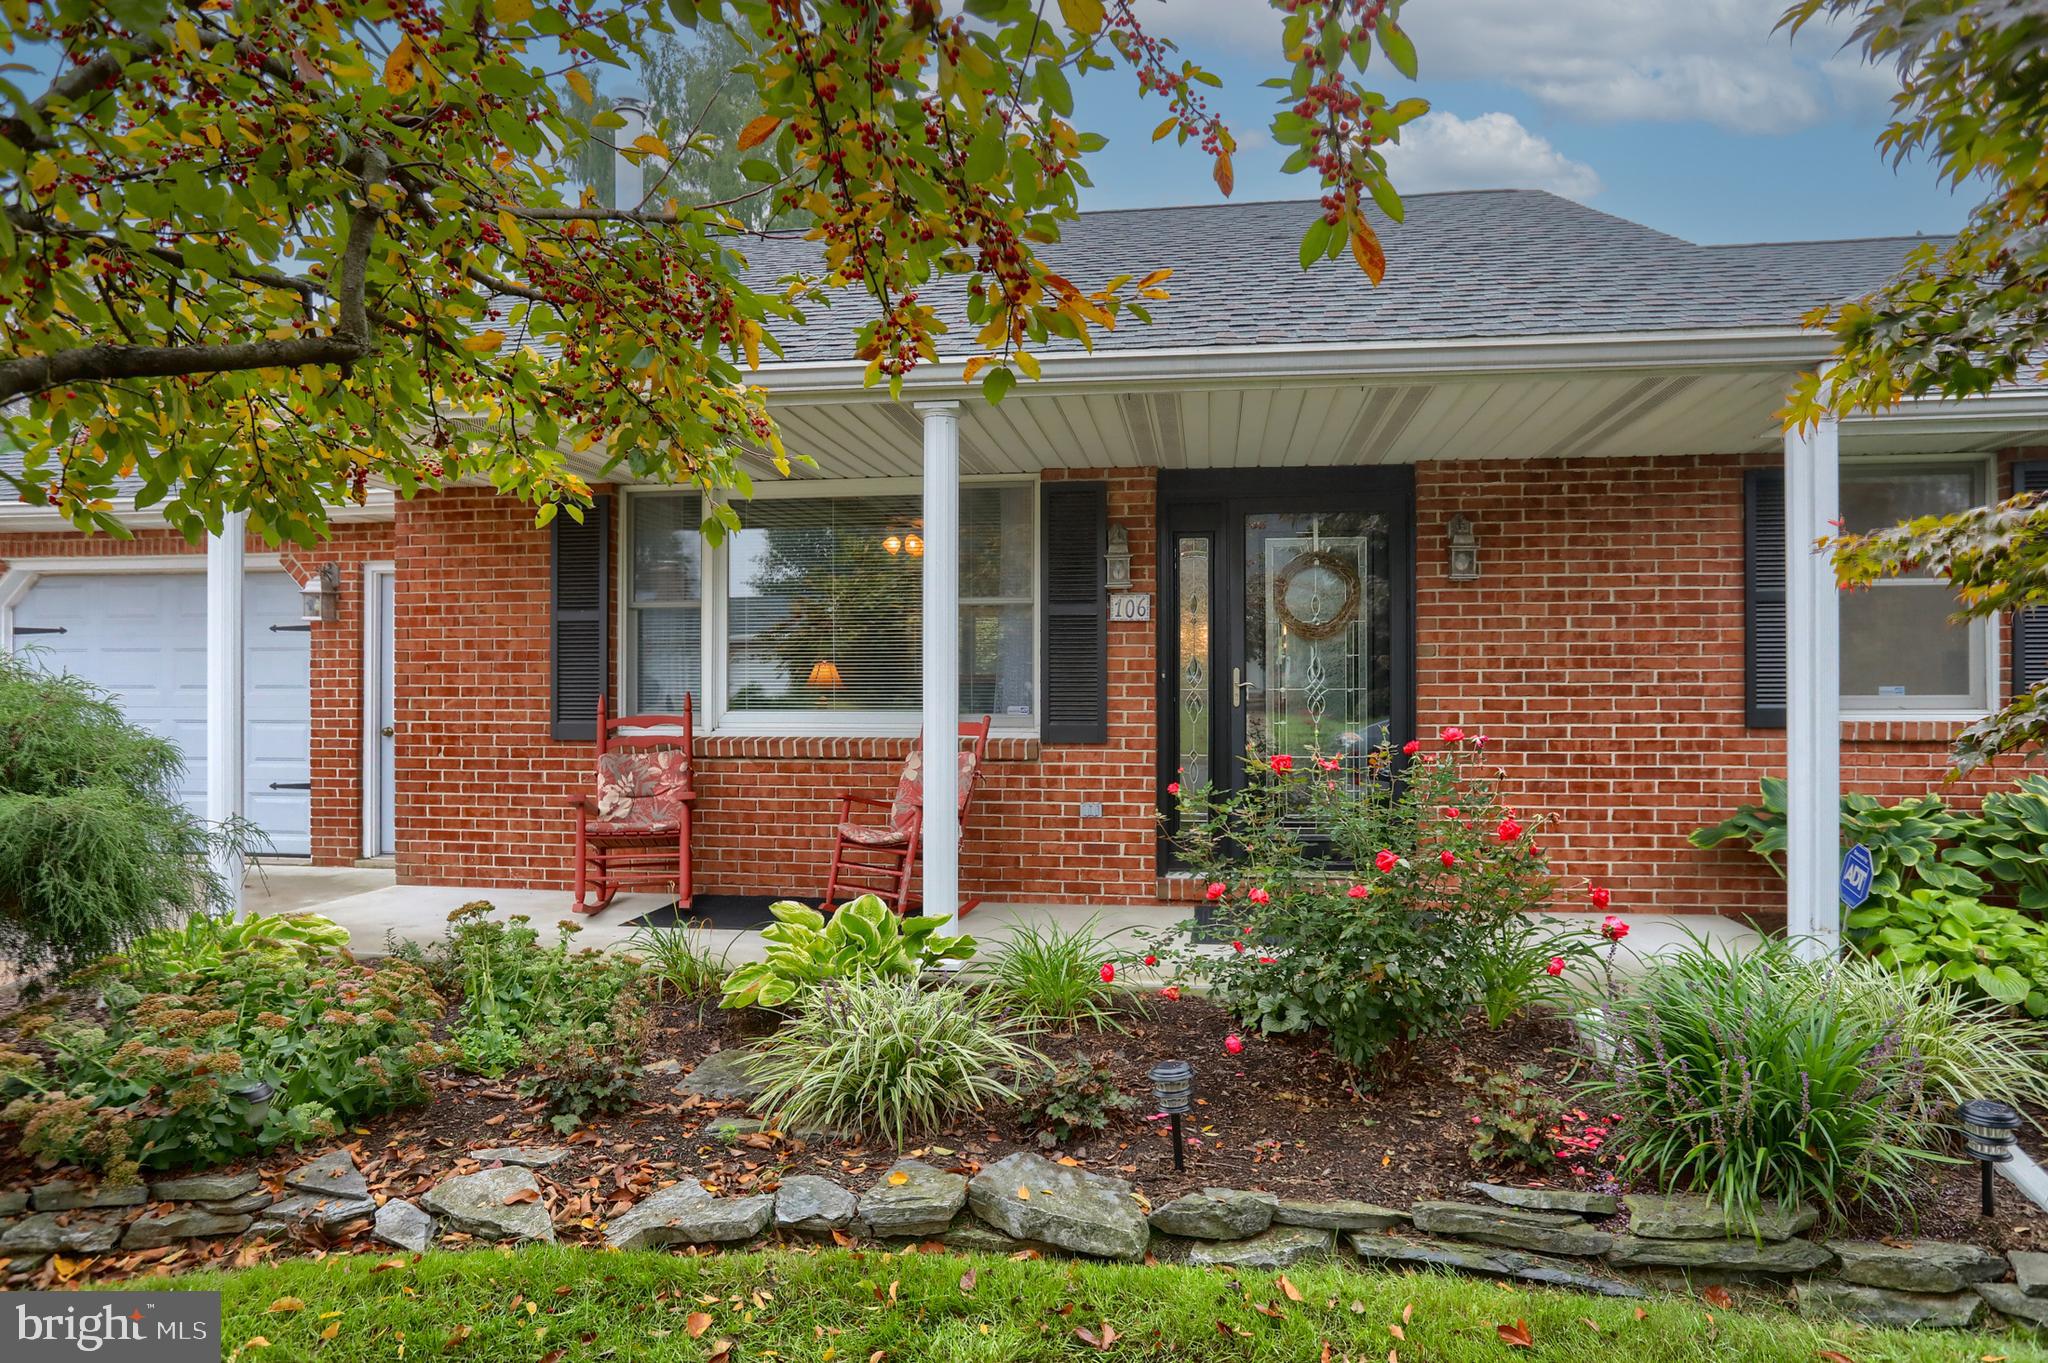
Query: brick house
1534,486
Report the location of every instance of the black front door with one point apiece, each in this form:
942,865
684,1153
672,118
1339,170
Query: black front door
1288,619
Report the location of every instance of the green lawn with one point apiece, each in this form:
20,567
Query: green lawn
566,1306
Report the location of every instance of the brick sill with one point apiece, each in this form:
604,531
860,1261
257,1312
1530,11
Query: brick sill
1941,730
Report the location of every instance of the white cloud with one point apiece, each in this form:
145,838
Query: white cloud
1490,151
1716,61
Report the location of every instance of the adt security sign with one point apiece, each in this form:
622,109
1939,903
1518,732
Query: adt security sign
1857,872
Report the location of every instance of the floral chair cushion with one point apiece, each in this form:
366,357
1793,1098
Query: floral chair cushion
909,799
637,789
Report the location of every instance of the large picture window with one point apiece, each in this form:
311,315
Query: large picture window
807,618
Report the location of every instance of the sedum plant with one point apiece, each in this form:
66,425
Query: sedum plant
863,937
875,1055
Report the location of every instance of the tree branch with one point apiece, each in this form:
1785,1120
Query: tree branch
355,253
36,373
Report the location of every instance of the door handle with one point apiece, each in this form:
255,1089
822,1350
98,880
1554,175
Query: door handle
1238,687
387,731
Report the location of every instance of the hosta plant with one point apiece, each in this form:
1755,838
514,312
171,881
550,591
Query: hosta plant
875,1055
1997,953
863,937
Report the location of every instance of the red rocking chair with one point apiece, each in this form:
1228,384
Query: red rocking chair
636,826
881,858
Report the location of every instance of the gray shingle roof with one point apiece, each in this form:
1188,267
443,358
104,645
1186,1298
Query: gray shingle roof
1467,265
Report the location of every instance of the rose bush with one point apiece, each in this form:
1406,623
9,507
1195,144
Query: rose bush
1384,903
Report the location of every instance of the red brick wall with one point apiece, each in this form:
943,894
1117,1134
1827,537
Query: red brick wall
1602,651
480,779
337,656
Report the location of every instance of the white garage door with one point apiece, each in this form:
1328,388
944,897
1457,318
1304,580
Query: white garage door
142,636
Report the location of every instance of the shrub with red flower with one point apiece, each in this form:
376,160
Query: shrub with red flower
1411,747
1376,967
1451,733
1601,896
1612,928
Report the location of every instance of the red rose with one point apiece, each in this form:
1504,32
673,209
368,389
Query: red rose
1509,830
1411,747
1238,946
1234,1044
1258,895
1556,966
1386,860
1612,928
1358,892
1327,763
1600,896
1268,960
1217,889
1452,734
1151,959
1171,993
1447,858
1173,787
1109,972
1282,762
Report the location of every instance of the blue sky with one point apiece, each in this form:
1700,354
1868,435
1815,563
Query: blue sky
1690,115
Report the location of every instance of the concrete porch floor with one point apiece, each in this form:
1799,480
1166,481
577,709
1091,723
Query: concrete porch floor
375,909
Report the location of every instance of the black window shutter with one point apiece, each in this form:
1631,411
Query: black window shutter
1763,520
2030,626
581,558
1076,521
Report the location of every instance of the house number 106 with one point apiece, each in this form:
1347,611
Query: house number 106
1130,606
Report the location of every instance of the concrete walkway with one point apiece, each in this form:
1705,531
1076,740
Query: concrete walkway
375,909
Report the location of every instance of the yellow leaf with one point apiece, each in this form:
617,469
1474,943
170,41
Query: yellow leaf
1226,179
256,1342
398,68
42,175
898,1179
650,144
973,367
331,1331
750,337
697,1323
1156,278
286,1305
509,226
580,83
512,11
759,131
1028,363
1083,16
483,342
1166,127
1023,1193
1365,249
188,35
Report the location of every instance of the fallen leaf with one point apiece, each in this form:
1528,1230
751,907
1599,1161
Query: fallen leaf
898,1179
333,1329
286,1305
967,1281
523,1195
1836,1356
1023,1193
456,1340
1640,1313
1099,1341
1516,1335
696,1323
1718,1297
721,1352
1397,1332
1288,1289
1326,1352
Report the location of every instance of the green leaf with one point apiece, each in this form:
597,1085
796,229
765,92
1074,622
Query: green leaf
1398,47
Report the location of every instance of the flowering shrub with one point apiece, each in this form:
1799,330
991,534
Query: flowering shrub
1740,1074
1425,922
1515,1120
156,1086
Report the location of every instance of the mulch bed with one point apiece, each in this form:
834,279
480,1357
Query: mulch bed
1283,1116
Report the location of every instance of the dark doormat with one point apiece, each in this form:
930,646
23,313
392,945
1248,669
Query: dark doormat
727,912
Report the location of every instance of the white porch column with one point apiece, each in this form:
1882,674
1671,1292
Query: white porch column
941,851
1813,720
224,770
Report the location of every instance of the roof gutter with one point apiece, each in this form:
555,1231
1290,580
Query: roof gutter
1768,349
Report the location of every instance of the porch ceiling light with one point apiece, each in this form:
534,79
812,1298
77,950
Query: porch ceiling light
1990,1133
893,544
913,545
825,673
1464,550
320,595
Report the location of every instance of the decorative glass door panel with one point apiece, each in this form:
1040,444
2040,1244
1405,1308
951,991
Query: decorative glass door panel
1288,628
1318,666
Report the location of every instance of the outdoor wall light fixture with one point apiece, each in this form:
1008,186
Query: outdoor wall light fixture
320,595
255,1101
913,545
1118,559
1173,1088
893,544
1990,1132
1464,550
